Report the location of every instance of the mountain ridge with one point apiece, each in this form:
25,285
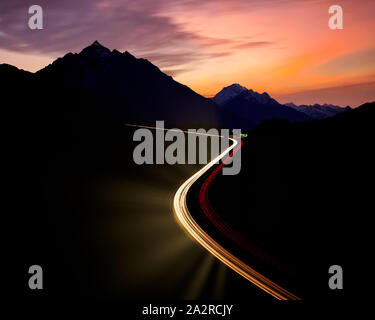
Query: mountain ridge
135,90
255,106
261,106
319,111
132,88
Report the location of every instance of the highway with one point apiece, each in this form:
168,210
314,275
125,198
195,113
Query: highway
186,221
191,227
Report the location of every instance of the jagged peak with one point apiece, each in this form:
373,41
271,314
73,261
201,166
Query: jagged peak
236,86
96,43
128,54
229,92
235,89
97,49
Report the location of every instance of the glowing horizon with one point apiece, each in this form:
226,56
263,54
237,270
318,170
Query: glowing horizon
282,47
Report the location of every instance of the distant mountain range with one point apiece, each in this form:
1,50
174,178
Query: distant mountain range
134,90
256,107
317,111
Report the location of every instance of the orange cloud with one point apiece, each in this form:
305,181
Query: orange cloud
268,45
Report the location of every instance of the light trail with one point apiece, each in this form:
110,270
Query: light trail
187,222
189,225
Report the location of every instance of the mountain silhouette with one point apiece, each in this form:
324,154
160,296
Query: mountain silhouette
135,89
121,86
318,111
255,107
71,156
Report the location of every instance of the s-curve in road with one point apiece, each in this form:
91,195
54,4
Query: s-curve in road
191,227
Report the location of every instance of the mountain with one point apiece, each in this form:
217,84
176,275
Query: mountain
135,89
229,93
11,74
316,168
99,82
255,107
317,111
234,90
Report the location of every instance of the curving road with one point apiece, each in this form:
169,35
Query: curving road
187,222
189,225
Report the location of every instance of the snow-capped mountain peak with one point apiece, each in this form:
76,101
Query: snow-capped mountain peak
317,111
234,90
229,93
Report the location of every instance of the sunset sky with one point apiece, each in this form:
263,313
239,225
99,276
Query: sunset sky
283,47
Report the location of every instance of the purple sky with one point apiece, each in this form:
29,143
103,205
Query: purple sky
283,47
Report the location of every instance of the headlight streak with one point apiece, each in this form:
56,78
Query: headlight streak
188,224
